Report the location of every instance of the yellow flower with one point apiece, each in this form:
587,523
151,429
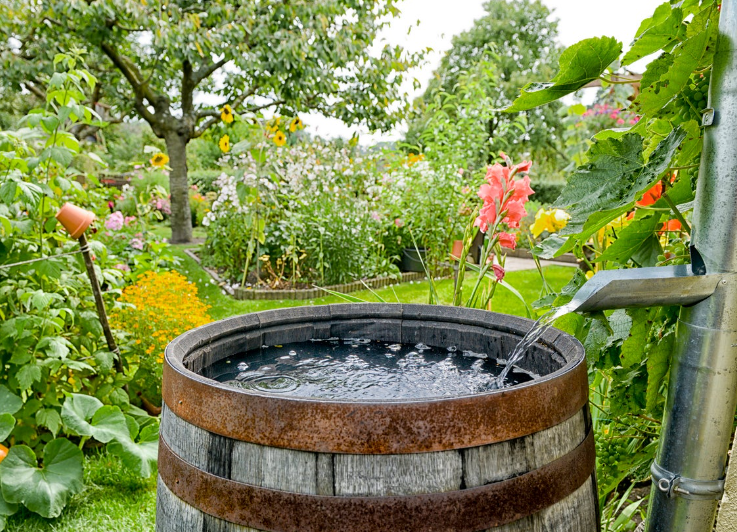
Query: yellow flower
226,113
224,143
160,159
551,220
273,124
296,124
589,274
280,139
413,158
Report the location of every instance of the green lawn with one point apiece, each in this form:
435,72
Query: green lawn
115,501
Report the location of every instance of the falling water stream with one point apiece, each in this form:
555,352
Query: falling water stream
543,323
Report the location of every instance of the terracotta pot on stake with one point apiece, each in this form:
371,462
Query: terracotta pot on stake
76,220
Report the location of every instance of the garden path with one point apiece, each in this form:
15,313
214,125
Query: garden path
515,264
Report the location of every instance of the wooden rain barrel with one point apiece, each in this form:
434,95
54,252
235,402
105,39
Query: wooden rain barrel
517,459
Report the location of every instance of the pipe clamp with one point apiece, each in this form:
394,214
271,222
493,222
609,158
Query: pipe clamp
688,488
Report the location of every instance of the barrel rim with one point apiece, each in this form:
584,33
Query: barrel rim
367,426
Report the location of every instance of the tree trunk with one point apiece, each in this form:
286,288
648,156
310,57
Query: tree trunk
181,217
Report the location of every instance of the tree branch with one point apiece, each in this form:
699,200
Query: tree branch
214,114
33,89
133,75
207,70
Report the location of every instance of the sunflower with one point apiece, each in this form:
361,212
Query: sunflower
160,159
280,139
226,113
224,143
296,124
273,124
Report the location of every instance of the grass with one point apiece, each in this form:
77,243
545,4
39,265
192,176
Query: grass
116,501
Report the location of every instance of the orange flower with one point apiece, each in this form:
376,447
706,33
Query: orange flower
652,195
672,225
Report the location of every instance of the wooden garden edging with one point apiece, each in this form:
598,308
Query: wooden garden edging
313,293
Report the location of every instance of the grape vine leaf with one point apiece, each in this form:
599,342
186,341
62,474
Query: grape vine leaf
634,346
661,33
614,177
578,65
44,490
686,59
658,362
630,239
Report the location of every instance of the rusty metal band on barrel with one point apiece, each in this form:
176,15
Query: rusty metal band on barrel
467,510
375,428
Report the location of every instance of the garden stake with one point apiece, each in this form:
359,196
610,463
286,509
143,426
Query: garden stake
97,292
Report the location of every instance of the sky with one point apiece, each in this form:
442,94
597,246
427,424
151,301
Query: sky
441,19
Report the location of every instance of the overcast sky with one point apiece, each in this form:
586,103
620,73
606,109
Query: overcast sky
441,19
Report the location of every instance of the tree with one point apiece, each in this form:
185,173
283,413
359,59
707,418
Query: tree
160,60
515,42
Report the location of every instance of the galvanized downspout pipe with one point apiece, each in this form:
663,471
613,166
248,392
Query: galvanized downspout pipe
690,465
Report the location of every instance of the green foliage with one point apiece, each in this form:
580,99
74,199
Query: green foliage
44,490
579,64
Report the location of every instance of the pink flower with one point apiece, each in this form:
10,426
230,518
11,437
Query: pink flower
398,222
486,217
498,271
522,190
620,121
466,190
375,216
507,240
460,171
136,243
114,221
515,212
522,167
122,267
129,220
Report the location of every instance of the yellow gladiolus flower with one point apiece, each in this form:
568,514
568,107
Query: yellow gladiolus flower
160,159
280,139
226,113
296,124
224,143
550,220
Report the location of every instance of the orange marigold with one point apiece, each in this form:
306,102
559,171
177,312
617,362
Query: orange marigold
158,308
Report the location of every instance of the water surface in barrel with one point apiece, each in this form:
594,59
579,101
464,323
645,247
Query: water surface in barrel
357,368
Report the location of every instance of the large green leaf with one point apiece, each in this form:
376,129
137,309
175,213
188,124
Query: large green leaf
630,239
9,402
7,422
658,362
663,30
615,176
44,490
686,59
633,348
580,64
86,416
138,451
553,246
6,509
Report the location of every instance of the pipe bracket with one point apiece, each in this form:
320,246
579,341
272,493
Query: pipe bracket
674,485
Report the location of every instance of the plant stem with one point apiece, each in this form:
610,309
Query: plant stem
677,213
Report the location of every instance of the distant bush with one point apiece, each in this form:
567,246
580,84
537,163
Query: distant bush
547,193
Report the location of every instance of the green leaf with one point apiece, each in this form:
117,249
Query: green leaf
49,418
686,59
655,37
630,239
634,346
655,70
647,254
553,246
27,375
658,363
579,64
7,422
86,416
9,402
615,176
138,452
44,490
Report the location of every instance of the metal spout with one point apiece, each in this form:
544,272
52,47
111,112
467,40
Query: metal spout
644,287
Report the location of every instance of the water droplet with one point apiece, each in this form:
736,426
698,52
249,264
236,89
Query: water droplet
242,366
292,353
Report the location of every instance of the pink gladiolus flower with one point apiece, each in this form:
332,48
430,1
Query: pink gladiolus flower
515,212
486,217
498,271
114,221
523,167
507,240
522,190
137,243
